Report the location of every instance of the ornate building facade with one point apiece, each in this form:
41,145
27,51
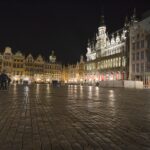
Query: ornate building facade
27,69
55,69
107,57
123,55
18,67
74,73
7,61
140,49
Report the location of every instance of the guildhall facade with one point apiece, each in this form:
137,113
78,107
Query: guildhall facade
28,69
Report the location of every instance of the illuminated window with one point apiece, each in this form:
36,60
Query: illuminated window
111,65
119,61
123,62
114,63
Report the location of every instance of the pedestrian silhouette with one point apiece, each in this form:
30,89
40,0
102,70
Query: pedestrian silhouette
4,81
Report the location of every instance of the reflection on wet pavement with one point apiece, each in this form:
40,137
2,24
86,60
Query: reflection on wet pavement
41,117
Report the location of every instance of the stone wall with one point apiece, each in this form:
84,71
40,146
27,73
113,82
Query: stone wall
122,83
133,84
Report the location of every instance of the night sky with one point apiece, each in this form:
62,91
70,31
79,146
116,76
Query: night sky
38,27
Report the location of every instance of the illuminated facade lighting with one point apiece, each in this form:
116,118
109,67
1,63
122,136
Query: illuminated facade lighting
27,69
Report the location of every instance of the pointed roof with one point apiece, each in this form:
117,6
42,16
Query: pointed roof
8,50
29,56
19,54
102,20
39,57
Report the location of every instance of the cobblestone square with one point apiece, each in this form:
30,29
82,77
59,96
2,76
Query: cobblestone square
41,117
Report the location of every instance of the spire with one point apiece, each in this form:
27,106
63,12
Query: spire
89,43
126,21
52,57
52,52
102,22
117,37
134,17
134,14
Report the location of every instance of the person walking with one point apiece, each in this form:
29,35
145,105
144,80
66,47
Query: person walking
8,81
4,81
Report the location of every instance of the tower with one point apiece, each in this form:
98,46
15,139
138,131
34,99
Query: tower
52,57
101,36
81,59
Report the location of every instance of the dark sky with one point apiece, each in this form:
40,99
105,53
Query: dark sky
63,26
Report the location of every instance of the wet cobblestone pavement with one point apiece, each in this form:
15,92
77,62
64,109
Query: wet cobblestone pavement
40,117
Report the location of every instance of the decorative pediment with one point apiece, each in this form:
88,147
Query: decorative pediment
112,39
29,58
8,51
39,59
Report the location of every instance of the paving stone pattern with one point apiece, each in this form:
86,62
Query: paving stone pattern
41,117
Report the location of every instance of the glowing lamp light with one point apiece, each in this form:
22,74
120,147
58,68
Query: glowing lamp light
47,80
111,77
38,79
75,80
26,79
90,88
16,78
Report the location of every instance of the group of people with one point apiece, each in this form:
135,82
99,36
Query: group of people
4,81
